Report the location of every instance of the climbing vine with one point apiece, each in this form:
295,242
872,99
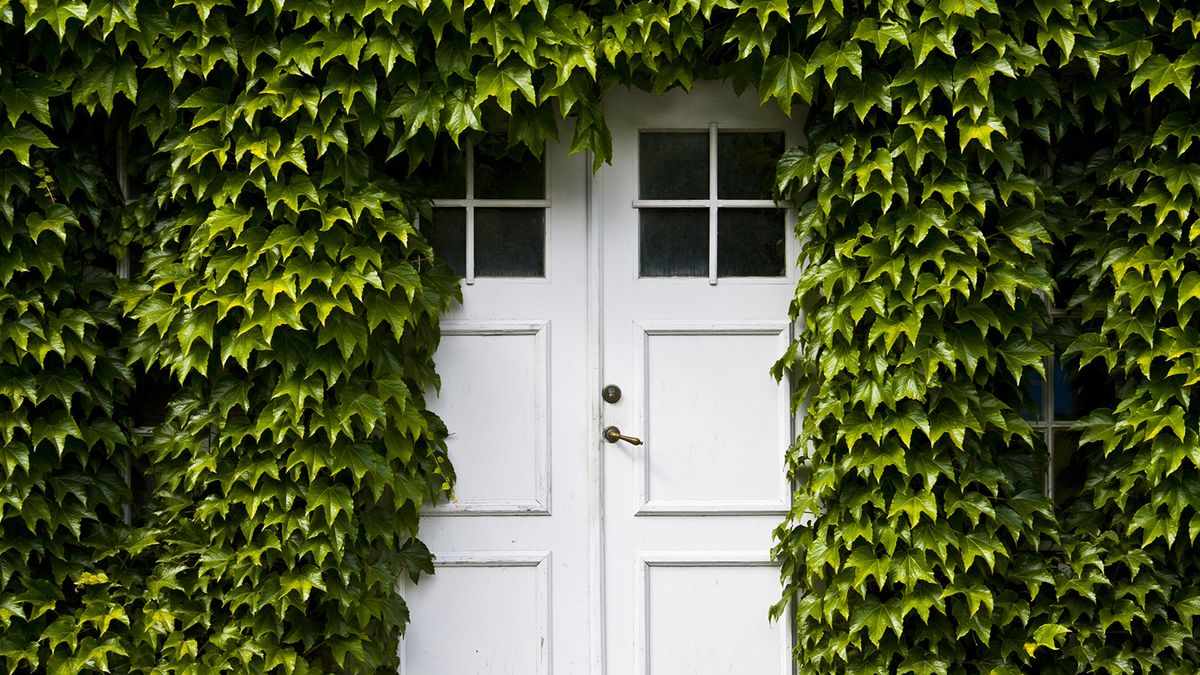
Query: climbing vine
218,318
970,165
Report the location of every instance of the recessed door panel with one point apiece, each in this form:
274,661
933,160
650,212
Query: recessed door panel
714,423
704,615
493,399
500,605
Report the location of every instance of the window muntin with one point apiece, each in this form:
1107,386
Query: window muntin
489,215
704,204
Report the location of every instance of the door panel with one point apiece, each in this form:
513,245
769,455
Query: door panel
498,422
719,627
710,456
501,616
690,333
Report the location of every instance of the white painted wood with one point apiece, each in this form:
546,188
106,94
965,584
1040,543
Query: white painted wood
563,554
697,203
501,607
702,467
499,423
701,613
595,466
514,364
688,516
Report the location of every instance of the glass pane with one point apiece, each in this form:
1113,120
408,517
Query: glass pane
447,233
1065,401
673,165
673,243
750,242
746,163
1083,390
510,242
508,178
1068,471
1035,387
446,173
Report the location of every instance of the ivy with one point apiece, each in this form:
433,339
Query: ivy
217,463
1005,157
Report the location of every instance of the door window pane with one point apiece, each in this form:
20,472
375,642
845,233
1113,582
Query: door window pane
510,242
750,242
446,173
746,163
508,178
673,243
478,195
447,233
673,165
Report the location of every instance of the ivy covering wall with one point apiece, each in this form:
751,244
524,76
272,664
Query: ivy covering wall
968,164
216,465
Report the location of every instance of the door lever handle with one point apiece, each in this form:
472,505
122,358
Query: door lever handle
613,434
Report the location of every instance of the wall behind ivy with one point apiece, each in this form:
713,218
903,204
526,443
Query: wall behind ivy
217,464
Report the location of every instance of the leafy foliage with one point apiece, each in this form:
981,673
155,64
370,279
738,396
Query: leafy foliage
217,465
1004,155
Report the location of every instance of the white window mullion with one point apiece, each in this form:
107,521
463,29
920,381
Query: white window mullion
470,206
681,203
712,203
501,203
1048,416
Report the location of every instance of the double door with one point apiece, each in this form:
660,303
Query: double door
652,308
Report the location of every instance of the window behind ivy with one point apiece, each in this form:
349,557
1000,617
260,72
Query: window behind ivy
1065,396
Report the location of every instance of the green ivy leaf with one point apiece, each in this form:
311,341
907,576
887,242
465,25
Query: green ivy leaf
1159,73
1047,635
330,498
876,617
55,13
501,83
783,78
20,139
112,13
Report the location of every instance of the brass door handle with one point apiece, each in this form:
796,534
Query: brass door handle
613,434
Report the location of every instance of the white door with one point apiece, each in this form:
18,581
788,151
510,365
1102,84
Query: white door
697,279
510,593
564,553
